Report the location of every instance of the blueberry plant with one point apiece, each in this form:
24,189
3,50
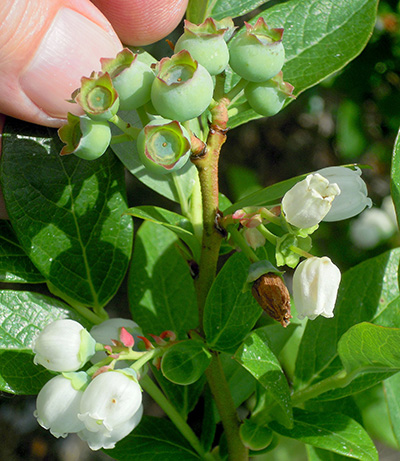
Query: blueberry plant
237,363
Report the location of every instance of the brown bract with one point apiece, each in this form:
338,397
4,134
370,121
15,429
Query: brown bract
272,295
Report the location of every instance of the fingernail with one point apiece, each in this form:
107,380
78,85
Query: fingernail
71,49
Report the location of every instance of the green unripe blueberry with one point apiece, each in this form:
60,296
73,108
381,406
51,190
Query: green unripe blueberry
86,138
163,146
267,98
131,78
206,43
183,88
257,54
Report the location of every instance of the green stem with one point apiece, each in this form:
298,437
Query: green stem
235,91
272,238
196,210
181,196
242,244
155,393
226,409
125,127
144,118
300,252
90,315
118,138
265,213
144,359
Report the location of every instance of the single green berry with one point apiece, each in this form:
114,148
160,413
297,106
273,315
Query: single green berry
86,138
206,43
183,88
257,54
97,96
131,78
163,146
267,98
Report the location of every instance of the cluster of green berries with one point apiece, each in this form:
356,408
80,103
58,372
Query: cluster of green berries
176,90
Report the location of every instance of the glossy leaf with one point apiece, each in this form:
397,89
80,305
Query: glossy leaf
392,392
163,184
255,437
67,213
320,38
198,10
330,431
154,439
395,176
160,288
22,316
230,313
15,266
178,224
256,356
185,362
369,289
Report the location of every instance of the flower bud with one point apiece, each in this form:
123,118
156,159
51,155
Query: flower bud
58,402
63,345
267,98
111,329
309,201
111,399
183,88
253,237
315,286
353,192
97,96
86,138
163,146
206,43
257,54
98,440
131,78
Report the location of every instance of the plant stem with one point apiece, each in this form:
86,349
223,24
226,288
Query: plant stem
155,393
182,199
267,234
242,244
240,85
196,210
300,252
226,409
125,127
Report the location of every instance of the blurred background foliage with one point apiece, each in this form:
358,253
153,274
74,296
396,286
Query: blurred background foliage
353,117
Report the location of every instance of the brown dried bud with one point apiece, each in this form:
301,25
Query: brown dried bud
272,295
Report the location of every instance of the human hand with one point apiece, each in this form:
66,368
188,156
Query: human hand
46,46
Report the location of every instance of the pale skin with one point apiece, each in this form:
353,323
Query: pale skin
46,46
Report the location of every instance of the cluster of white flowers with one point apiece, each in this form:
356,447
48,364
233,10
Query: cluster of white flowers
331,194
101,409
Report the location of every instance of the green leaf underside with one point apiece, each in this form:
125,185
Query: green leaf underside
330,431
317,454
178,224
154,439
22,315
256,356
185,362
369,289
395,175
230,314
67,213
160,288
161,183
15,266
392,393
320,38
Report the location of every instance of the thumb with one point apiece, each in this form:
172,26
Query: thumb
46,46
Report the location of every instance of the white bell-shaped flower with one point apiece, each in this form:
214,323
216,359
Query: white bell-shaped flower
353,193
110,329
58,403
112,398
309,201
63,345
98,440
315,286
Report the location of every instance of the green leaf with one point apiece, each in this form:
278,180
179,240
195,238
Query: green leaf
22,315
395,176
255,437
230,314
154,439
163,184
392,392
256,356
320,38
178,224
330,431
185,398
67,213
185,362
15,266
317,454
223,8
160,288
365,292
